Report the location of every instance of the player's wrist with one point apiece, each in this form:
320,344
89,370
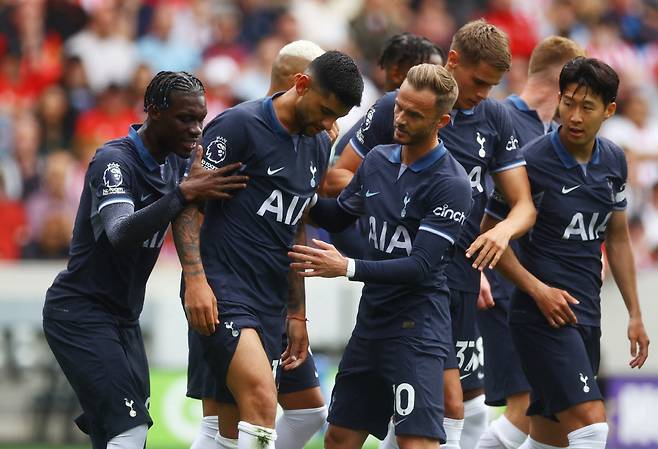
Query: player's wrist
297,316
350,268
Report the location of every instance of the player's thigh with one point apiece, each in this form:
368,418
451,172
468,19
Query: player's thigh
106,366
303,399
582,415
250,376
338,437
361,399
468,345
558,366
414,369
413,442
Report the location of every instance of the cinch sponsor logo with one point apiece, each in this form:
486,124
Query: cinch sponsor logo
446,212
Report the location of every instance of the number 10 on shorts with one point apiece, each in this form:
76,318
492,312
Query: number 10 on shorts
408,399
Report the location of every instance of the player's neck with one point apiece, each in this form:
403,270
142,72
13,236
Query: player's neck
145,133
415,152
284,109
541,97
582,153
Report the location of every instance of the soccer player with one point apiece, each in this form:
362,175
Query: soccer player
131,193
480,136
532,114
304,410
578,181
242,267
416,197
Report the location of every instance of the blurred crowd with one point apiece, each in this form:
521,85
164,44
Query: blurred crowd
73,73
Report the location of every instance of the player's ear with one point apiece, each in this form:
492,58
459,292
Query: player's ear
453,59
610,110
443,121
153,112
302,83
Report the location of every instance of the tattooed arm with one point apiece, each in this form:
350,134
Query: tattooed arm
297,350
199,300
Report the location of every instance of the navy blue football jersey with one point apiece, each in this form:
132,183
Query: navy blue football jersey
100,279
574,204
431,195
244,241
481,139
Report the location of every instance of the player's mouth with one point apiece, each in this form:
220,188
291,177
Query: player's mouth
576,133
190,145
400,132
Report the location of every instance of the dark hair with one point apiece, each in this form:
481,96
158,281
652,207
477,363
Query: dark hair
408,50
337,73
159,90
595,75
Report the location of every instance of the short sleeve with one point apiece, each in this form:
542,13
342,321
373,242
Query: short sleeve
351,198
496,206
619,184
449,206
377,126
225,139
507,152
110,178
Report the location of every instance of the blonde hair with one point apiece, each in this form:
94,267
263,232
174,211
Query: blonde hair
481,41
293,58
553,52
438,80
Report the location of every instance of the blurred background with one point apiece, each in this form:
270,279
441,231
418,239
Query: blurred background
73,74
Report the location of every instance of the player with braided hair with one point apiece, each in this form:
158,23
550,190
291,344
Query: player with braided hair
132,191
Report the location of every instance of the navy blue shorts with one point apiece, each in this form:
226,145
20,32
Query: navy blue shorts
218,348
503,374
561,365
468,355
201,383
106,365
399,377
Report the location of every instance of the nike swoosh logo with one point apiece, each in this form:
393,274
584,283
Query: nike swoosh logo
464,376
395,423
272,172
565,190
145,197
369,193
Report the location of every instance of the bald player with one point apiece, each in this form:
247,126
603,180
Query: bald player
304,410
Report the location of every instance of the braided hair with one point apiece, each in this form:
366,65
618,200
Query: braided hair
406,49
159,90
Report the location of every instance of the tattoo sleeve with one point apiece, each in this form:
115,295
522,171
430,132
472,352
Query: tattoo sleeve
186,229
296,289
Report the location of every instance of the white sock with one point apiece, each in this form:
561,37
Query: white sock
134,438
295,427
251,436
391,441
475,422
529,443
501,434
593,436
225,443
205,437
453,429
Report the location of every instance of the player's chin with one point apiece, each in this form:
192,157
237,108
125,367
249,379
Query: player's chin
185,149
400,137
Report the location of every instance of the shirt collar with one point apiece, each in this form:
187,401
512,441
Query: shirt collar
271,115
421,164
519,103
454,113
144,154
567,159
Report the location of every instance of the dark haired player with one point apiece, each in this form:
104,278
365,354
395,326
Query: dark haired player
578,182
242,265
416,197
481,137
299,394
532,114
131,193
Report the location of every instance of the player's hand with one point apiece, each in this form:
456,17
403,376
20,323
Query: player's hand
554,304
639,342
202,184
324,261
297,349
333,132
485,298
489,247
200,305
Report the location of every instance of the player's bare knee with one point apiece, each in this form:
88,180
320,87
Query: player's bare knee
259,404
415,442
332,439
